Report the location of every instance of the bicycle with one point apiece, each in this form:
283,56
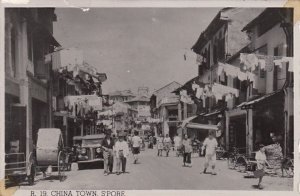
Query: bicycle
285,167
237,160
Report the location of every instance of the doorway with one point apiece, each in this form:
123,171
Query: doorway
237,133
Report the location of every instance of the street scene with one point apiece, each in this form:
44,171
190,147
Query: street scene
149,99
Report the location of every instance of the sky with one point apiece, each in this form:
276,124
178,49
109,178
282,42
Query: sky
135,46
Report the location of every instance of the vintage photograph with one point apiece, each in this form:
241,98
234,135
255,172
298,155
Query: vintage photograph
149,98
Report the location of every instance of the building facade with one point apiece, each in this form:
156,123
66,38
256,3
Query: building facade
165,105
271,36
245,79
28,38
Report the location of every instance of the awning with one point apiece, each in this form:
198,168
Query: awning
187,120
89,137
201,126
104,122
213,113
261,99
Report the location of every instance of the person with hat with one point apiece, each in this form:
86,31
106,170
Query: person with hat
121,152
107,145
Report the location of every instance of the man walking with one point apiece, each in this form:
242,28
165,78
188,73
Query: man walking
167,144
160,145
187,151
107,145
121,152
210,145
136,144
177,144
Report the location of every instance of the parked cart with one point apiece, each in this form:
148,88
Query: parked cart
50,152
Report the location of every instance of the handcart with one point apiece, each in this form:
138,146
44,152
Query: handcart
50,152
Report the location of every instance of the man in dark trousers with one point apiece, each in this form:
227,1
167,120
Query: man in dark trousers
107,145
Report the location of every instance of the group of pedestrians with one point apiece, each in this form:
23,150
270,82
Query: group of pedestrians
164,144
117,150
184,146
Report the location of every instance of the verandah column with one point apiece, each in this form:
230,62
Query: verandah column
249,132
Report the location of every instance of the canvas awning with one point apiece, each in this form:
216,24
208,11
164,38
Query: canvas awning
187,120
213,113
201,126
249,104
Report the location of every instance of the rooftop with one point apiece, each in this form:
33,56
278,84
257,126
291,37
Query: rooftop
268,13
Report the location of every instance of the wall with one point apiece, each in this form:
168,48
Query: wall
273,38
239,17
166,92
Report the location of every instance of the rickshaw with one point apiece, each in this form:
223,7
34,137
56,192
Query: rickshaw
50,152
17,168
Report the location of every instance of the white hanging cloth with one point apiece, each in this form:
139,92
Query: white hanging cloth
218,96
199,92
223,90
194,86
228,97
262,63
290,60
185,98
250,60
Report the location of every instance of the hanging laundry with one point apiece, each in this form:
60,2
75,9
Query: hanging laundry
262,64
199,59
194,86
220,69
199,92
218,96
250,60
228,97
203,97
185,98
278,62
242,76
289,60
222,77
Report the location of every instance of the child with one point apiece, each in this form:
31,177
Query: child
210,145
121,152
261,159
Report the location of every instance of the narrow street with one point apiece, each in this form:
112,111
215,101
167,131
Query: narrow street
162,173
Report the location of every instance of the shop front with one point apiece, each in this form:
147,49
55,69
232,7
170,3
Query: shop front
266,118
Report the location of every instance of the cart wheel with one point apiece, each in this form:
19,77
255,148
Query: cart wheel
231,163
241,164
288,168
61,166
31,176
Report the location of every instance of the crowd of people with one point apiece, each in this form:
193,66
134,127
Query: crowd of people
118,149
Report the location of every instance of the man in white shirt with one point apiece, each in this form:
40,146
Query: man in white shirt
177,144
121,152
136,143
210,145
